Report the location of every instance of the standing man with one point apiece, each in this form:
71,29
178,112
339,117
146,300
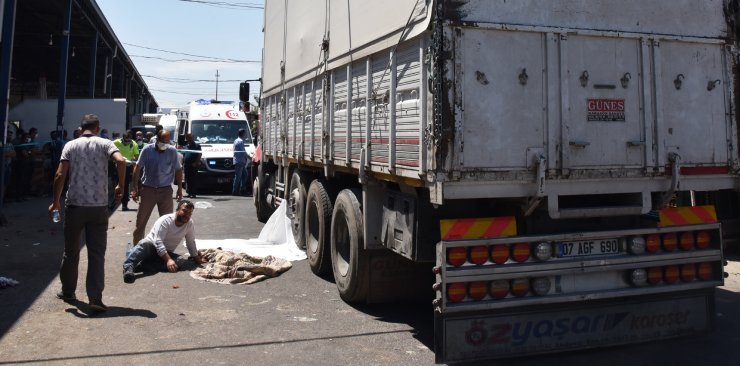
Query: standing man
140,140
155,253
158,165
85,160
191,164
240,162
130,151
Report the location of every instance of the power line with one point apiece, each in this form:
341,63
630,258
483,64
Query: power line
188,54
183,80
194,60
225,4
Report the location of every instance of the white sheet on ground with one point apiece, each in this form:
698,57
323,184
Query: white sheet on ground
276,239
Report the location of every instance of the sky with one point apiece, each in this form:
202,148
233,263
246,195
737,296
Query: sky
227,32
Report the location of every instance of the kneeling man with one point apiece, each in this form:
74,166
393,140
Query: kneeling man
155,253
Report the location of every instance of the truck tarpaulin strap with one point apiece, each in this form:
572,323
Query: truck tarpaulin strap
687,215
465,229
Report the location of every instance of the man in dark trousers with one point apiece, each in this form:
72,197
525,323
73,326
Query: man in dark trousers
85,161
191,163
156,252
158,166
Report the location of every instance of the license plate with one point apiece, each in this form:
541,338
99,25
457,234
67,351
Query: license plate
223,180
588,247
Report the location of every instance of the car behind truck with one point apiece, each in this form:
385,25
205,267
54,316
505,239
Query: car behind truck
561,167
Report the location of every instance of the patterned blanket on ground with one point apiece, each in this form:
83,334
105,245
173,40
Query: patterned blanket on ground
229,267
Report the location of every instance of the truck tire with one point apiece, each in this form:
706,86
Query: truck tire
259,195
348,256
317,227
296,211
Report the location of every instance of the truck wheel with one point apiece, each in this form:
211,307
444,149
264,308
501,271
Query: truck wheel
259,195
348,256
317,226
296,211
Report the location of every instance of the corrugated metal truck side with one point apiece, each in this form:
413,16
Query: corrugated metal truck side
556,171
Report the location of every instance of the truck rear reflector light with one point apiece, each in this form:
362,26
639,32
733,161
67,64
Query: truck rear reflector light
688,272
500,254
520,287
456,292
520,252
456,256
477,290
686,241
704,170
654,275
652,243
702,239
670,241
499,289
479,254
670,274
704,271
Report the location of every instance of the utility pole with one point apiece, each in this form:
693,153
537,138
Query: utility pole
216,84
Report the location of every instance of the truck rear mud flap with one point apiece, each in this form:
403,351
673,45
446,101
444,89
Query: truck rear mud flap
474,337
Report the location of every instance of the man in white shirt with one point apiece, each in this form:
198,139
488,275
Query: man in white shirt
156,251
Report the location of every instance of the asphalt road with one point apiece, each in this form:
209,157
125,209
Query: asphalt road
296,318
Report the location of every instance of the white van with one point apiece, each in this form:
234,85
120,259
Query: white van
169,123
214,125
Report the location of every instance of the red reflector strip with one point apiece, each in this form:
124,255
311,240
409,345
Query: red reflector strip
704,170
673,216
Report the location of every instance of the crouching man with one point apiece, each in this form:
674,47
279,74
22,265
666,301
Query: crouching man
155,253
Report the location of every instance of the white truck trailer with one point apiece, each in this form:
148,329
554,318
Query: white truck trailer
560,165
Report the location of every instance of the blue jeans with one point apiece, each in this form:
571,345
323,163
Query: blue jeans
144,258
239,178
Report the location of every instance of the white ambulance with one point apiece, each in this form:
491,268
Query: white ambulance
214,125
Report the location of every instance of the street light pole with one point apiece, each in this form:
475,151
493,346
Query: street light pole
216,84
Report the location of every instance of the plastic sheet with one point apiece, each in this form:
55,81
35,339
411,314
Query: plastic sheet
276,239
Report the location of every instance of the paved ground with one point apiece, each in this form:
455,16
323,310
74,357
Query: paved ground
296,318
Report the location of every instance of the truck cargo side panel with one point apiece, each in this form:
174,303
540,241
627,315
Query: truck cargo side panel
502,118
674,17
604,92
694,119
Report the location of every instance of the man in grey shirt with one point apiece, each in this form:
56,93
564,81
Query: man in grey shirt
156,252
158,165
85,161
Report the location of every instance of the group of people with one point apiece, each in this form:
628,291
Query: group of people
83,168
30,162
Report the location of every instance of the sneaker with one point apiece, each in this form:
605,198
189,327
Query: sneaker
66,296
128,276
97,306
